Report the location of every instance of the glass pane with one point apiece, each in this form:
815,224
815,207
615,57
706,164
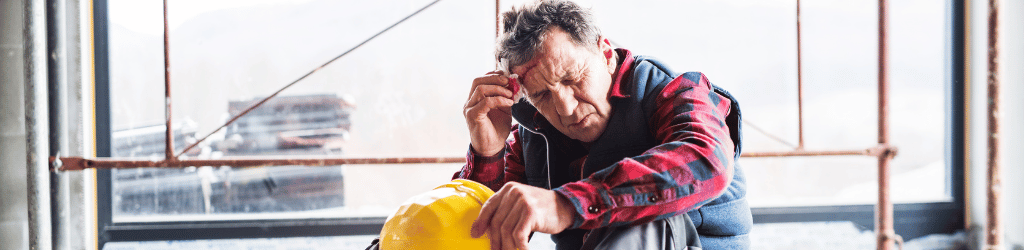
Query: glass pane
224,193
391,97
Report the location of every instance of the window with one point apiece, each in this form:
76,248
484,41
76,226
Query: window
401,95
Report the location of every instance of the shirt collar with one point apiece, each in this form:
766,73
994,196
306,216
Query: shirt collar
625,67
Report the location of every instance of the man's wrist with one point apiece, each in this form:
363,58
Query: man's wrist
475,159
566,211
484,156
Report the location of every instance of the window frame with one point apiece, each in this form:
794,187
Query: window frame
911,220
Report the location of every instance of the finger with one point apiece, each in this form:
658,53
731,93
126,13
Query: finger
500,103
483,220
496,238
506,216
484,91
480,113
522,232
490,79
499,237
506,107
511,225
480,110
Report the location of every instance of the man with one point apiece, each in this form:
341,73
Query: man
612,150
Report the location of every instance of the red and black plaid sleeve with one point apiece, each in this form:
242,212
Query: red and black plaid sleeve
692,165
496,170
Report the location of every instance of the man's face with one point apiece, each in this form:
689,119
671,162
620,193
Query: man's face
569,84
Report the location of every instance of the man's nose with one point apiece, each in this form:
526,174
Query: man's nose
566,103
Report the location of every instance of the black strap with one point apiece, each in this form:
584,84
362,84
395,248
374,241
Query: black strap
374,245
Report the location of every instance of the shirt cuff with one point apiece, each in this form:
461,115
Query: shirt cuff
474,158
591,203
483,169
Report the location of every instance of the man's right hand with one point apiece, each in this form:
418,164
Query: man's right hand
488,113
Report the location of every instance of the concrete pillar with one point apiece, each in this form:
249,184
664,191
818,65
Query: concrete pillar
1011,35
13,191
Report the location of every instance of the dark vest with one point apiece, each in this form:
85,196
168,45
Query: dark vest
722,223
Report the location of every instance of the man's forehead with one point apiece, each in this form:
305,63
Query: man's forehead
525,68
536,72
548,61
539,57
554,49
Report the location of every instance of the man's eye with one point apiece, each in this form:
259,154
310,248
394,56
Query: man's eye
540,97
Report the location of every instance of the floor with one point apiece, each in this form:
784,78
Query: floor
813,235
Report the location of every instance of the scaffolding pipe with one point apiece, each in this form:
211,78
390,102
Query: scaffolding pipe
879,150
58,143
994,228
168,131
799,83
36,126
886,235
78,163
497,18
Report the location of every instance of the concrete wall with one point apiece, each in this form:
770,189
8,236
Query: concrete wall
13,193
1011,37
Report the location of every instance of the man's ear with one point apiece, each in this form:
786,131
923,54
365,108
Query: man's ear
605,46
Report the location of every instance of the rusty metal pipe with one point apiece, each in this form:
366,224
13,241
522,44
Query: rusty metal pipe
994,227
497,18
886,235
799,82
874,151
884,214
78,163
168,134
804,153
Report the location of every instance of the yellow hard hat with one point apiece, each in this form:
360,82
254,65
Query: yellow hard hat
438,219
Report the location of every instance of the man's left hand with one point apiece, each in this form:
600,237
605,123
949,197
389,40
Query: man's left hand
517,210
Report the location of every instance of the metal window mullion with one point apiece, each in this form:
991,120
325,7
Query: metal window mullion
57,65
36,126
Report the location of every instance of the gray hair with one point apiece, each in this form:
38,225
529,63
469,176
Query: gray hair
525,28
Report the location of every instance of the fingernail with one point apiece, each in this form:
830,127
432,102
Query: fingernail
473,232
